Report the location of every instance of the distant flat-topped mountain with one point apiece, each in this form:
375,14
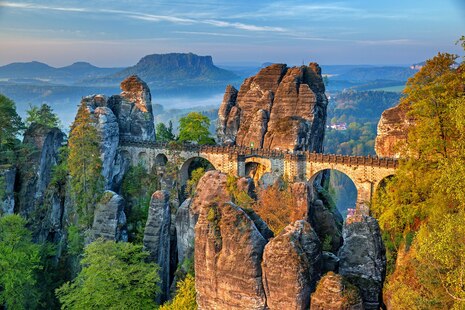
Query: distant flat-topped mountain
37,71
165,70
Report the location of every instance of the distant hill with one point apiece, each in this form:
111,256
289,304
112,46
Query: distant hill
173,70
35,72
377,73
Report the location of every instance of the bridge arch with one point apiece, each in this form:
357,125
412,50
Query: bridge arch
143,159
161,160
341,189
190,165
256,167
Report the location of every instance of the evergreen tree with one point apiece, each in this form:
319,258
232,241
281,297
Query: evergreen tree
19,262
85,165
113,276
10,127
194,128
42,115
165,134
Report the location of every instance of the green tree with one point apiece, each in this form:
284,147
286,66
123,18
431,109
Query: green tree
191,185
194,128
165,134
19,263
185,295
85,165
421,210
137,188
113,276
42,115
10,127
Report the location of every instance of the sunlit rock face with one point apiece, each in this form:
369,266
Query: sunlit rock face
228,249
291,266
392,131
279,108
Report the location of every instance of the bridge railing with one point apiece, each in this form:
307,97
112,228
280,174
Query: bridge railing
374,161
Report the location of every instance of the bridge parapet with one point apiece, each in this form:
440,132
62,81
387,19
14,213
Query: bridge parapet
373,161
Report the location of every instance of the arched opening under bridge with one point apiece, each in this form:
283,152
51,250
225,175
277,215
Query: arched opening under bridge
257,168
336,189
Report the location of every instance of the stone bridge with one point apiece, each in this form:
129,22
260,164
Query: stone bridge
365,172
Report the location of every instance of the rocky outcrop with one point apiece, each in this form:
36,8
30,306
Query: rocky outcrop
157,238
228,250
109,218
291,267
185,225
7,184
328,225
36,175
335,293
280,107
125,116
362,258
392,131
133,109
228,117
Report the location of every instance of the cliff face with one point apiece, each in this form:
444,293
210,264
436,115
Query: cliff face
34,179
362,258
228,250
392,131
280,107
125,116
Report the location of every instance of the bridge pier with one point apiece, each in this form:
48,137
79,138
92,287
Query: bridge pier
364,196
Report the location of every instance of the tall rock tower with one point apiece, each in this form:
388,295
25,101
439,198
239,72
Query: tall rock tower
279,108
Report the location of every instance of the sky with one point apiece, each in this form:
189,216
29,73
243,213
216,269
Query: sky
111,33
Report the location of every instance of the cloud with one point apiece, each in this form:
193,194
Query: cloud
33,6
248,27
218,34
149,17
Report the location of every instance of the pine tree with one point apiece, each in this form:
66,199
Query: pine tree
42,115
85,165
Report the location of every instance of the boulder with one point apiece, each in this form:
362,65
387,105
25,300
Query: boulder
362,258
335,293
392,131
278,108
109,218
7,184
157,238
228,250
291,267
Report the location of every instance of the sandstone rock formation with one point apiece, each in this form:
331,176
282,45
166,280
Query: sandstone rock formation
157,238
36,176
109,218
7,202
392,131
280,107
335,293
327,223
133,109
185,225
125,116
228,250
291,267
362,258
